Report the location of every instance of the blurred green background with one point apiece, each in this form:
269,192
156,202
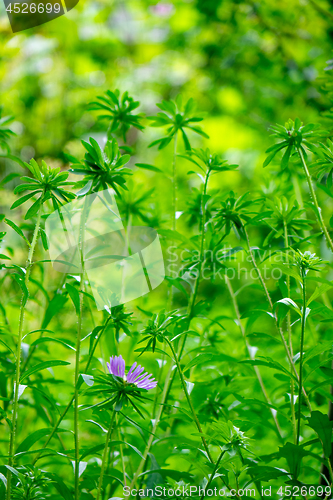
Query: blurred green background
247,64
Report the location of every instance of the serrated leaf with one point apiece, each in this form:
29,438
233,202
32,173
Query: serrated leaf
321,424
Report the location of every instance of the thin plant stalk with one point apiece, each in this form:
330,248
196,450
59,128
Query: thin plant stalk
292,387
201,256
213,474
64,413
174,202
189,401
18,351
197,279
105,454
170,375
155,426
106,494
256,369
315,201
174,183
121,453
76,393
303,321
202,245
93,320
279,329
77,357
330,244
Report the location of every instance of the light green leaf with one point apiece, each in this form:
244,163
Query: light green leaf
42,366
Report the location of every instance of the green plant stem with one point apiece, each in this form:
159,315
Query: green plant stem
77,355
105,454
191,304
213,474
174,183
279,329
160,376
33,349
202,247
256,369
76,392
315,201
174,204
121,452
64,413
201,256
155,426
19,348
303,320
170,375
189,401
292,387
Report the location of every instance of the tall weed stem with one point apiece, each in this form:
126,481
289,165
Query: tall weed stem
315,201
19,348
279,329
105,454
292,387
155,426
303,321
64,413
256,369
189,400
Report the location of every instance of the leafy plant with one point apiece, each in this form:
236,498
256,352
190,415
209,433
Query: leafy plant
119,112
236,342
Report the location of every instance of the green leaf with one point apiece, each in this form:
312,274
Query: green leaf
21,282
209,359
31,439
42,366
288,271
319,291
42,340
328,372
75,296
177,283
33,209
22,200
318,349
54,307
290,303
3,479
9,178
88,379
93,450
16,229
293,454
321,424
174,474
60,486
286,156
146,166
270,363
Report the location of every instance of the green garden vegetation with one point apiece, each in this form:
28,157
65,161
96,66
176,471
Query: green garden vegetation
218,382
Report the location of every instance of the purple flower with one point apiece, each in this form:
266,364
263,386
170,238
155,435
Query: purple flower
135,376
